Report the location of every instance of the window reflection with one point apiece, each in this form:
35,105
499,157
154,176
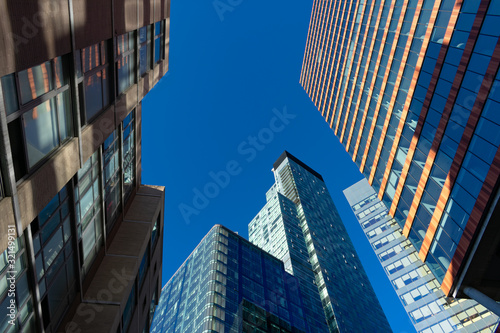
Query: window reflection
96,79
125,64
112,188
39,114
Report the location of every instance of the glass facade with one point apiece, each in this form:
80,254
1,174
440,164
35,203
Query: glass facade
301,226
417,287
227,285
413,109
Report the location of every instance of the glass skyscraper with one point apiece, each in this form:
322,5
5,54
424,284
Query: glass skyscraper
229,285
416,286
300,225
412,90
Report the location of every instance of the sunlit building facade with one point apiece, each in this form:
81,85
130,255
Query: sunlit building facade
229,285
80,236
417,288
301,226
411,89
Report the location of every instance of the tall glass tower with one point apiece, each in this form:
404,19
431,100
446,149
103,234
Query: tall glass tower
229,285
301,226
417,287
412,90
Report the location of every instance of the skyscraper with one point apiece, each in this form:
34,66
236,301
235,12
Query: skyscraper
80,236
229,285
427,306
411,89
301,226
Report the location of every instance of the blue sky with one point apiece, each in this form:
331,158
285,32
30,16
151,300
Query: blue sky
232,100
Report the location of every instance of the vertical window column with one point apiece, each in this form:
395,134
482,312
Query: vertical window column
125,61
54,259
24,314
89,221
144,50
111,179
96,83
128,157
159,41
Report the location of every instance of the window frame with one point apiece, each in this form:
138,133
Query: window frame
149,48
161,36
24,108
67,258
95,167
84,75
127,188
120,55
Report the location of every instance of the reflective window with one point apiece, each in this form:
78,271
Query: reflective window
10,93
129,309
88,211
39,115
96,79
128,141
485,44
144,49
111,177
125,64
54,259
143,267
159,41
36,81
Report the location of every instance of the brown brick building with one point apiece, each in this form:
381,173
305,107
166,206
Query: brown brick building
80,236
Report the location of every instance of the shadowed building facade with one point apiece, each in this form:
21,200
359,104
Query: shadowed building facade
80,236
229,285
301,226
416,286
411,89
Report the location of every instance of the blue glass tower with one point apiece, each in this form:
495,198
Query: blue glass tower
229,285
301,226
418,289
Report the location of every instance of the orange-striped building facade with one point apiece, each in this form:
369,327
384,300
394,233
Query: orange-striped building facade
412,90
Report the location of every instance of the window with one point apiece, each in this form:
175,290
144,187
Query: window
159,41
38,112
54,259
128,154
125,64
129,309
143,267
94,62
144,49
24,313
88,211
154,232
111,178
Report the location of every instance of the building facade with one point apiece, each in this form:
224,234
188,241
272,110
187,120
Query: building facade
411,89
227,285
80,236
301,226
416,286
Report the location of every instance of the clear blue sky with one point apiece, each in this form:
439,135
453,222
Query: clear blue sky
228,73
